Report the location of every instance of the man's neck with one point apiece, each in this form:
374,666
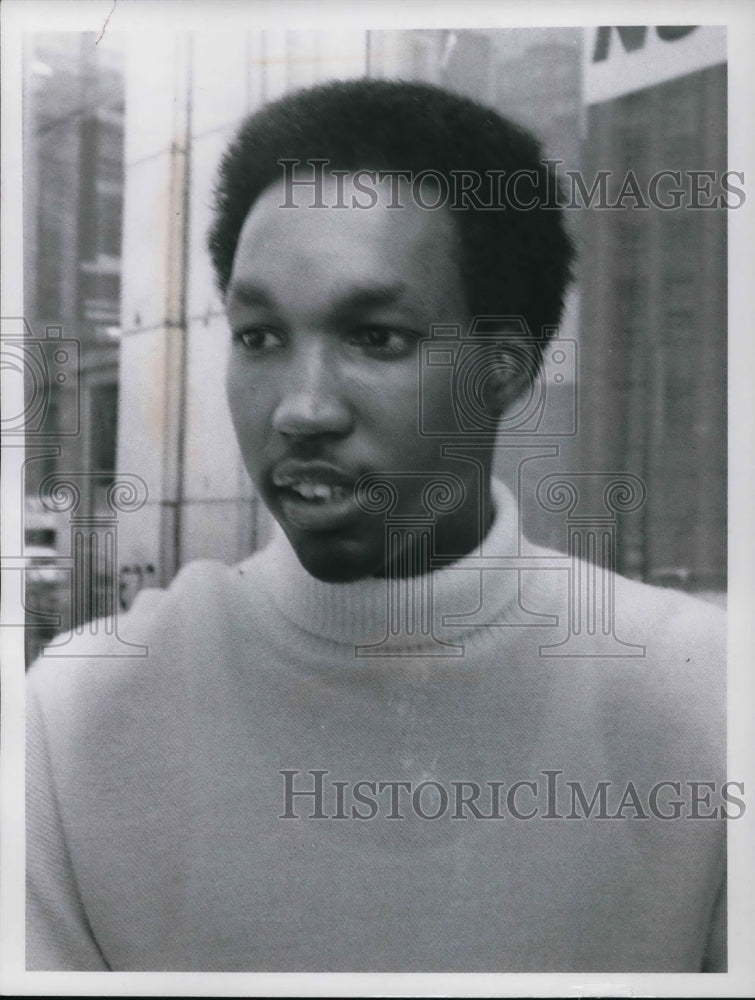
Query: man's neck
414,549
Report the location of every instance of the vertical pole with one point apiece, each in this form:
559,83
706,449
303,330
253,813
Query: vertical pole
176,320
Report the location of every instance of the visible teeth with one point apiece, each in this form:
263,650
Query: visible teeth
306,490
318,491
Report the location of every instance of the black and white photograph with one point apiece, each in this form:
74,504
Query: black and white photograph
377,545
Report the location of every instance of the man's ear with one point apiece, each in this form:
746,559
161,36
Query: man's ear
512,376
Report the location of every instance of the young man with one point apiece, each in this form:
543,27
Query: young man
357,749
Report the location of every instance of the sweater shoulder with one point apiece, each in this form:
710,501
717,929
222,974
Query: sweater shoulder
679,627
85,668
660,681
675,624
685,645
675,701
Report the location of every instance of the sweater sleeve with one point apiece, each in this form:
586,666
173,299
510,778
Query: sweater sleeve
58,936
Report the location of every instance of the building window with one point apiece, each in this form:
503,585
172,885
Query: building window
104,424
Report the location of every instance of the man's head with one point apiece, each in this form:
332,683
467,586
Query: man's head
328,305
512,261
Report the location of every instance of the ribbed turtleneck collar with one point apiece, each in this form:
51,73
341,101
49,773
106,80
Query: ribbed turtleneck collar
412,614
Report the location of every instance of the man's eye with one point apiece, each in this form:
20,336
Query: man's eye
384,341
258,338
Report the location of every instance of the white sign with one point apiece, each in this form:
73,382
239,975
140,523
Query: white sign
621,60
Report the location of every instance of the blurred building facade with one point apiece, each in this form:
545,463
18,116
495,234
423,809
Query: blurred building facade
73,203
646,407
174,430
653,293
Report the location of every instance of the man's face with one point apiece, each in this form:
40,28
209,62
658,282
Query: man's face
327,308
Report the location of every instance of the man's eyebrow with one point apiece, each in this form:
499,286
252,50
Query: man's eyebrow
362,297
359,297
246,294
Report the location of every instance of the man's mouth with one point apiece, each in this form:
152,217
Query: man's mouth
318,492
314,495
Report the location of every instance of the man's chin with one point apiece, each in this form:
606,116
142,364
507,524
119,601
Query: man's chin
335,560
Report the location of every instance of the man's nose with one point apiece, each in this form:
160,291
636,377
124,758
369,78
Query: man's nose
312,400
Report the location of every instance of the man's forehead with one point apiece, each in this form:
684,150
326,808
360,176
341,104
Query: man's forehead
365,189
347,258
364,198
302,223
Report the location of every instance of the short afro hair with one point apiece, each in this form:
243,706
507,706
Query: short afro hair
513,262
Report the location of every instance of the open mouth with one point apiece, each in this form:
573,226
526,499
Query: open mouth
319,493
314,496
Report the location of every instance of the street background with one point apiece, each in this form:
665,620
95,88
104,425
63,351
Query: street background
122,136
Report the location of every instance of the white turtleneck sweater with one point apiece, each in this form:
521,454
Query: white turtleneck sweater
158,786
